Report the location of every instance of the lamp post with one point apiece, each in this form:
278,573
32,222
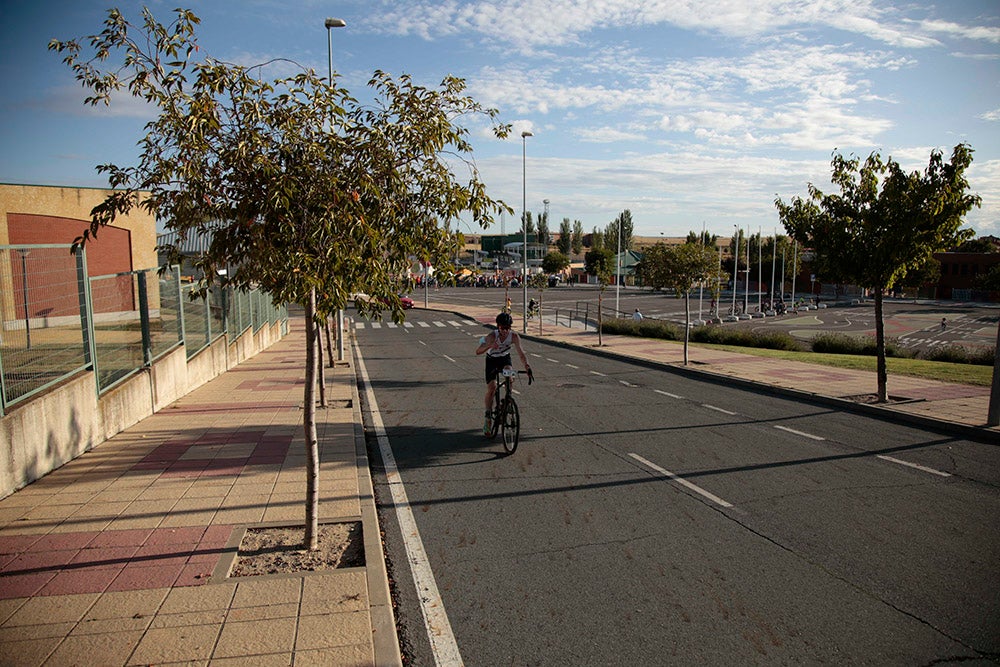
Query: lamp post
335,23
736,266
524,227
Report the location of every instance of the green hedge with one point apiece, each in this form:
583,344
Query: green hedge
828,343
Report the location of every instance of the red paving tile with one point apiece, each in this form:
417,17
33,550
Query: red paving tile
14,544
121,538
104,557
134,578
61,541
195,574
23,585
86,580
186,535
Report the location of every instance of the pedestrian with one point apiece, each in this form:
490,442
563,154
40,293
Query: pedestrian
637,316
944,323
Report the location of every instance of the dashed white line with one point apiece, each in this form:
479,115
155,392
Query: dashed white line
667,393
627,383
913,465
680,480
449,358
555,361
598,373
712,407
802,433
572,366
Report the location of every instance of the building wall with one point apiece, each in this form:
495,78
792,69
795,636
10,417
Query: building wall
39,214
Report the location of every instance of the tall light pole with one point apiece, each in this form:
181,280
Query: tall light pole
736,266
335,23
524,227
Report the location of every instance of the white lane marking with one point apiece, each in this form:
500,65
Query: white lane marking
408,325
359,325
802,433
572,366
424,324
376,325
627,383
555,361
449,358
392,325
712,407
454,323
913,465
667,393
439,632
680,480
440,324
599,374
535,355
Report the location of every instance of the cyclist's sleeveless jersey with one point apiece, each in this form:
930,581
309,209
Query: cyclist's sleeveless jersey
505,345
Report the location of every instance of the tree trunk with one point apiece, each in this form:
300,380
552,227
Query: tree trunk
329,341
880,367
600,318
539,313
311,541
319,364
687,324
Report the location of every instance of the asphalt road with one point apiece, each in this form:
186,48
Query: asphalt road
649,518
913,325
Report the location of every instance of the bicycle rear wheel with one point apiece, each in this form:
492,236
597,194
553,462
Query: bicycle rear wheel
511,425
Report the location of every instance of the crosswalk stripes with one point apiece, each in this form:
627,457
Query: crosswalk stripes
410,325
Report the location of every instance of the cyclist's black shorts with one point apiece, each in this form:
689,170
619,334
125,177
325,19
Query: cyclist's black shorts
494,365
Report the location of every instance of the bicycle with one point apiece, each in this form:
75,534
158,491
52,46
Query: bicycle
506,416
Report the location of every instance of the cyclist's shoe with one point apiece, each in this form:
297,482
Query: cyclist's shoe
488,424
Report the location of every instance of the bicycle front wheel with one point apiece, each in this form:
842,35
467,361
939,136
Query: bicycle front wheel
511,425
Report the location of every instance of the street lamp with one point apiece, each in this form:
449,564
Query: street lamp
524,227
335,23
736,266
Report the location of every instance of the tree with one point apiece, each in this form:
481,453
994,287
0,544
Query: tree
884,224
600,263
302,190
555,262
527,224
577,246
596,239
684,267
623,223
543,228
565,242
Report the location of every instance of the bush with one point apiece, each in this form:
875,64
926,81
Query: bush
957,354
776,340
646,328
837,343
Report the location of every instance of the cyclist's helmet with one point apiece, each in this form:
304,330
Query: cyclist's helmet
505,320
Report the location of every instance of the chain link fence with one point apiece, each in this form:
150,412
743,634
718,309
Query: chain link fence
56,322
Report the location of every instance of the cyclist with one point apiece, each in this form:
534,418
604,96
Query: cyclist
497,346
532,308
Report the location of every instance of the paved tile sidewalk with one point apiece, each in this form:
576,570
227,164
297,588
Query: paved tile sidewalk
120,557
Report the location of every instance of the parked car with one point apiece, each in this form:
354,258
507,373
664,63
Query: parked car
406,302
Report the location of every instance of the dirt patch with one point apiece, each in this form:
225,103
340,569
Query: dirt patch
872,399
279,550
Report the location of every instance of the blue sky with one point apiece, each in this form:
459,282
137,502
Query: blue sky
687,113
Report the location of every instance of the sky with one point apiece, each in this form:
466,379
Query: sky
690,114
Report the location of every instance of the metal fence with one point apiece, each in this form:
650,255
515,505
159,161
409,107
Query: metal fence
55,322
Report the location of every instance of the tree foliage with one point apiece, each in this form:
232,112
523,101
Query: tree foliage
680,267
565,242
301,190
883,224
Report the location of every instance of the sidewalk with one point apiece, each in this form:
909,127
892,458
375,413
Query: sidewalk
121,557
959,408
